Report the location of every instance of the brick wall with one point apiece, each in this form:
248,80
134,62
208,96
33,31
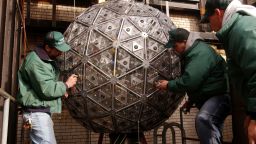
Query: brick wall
185,20
43,11
67,130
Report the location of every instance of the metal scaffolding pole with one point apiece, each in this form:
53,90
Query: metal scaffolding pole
5,123
9,63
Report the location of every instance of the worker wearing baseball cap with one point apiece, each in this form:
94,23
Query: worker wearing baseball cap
235,24
55,39
204,81
40,90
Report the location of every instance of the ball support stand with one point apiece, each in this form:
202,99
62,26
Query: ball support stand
119,138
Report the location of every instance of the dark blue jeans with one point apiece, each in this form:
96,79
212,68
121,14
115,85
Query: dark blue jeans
210,119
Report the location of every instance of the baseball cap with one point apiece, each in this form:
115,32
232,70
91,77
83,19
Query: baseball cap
176,35
211,5
56,39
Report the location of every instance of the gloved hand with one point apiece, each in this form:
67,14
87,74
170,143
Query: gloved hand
71,81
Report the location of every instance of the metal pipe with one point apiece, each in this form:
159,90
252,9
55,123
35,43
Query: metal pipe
5,121
147,2
28,11
7,98
166,127
155,135
3,6
23,27
101,1
181,117
167,8
6,95
54,13
183,135
100,140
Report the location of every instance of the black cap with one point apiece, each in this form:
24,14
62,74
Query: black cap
211,5
176,35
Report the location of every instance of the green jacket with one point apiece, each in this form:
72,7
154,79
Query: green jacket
38,82
239,38
203,76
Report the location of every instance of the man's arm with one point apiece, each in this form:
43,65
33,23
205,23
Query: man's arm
196,71
44,83
245,57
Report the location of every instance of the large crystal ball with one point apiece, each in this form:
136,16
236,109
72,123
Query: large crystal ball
118,53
